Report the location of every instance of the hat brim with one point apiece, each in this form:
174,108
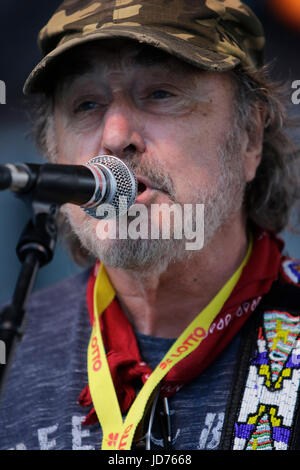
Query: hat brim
200,55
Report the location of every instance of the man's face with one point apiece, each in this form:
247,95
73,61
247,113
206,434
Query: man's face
172,124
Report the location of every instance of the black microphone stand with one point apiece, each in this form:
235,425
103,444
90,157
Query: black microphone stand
35,249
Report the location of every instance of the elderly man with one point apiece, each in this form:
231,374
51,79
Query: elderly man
187,349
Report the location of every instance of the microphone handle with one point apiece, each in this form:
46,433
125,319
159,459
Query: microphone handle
77,184
63,183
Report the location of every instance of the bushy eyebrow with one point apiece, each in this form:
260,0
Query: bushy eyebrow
82,63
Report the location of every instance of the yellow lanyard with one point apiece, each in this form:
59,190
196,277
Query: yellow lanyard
119,433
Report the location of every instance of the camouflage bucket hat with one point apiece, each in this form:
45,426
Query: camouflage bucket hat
210,34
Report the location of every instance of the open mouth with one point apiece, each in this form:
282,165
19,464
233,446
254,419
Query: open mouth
146,188
141,188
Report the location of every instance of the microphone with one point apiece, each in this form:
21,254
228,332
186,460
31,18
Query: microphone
104,179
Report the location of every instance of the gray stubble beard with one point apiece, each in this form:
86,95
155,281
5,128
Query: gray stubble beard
146,256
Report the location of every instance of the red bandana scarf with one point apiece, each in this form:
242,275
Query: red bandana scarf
123,356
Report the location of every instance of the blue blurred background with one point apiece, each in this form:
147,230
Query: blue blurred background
19,26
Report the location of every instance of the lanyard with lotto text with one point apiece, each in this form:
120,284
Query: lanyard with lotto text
100,381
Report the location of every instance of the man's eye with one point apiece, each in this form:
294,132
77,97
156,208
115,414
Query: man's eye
86,106
160,94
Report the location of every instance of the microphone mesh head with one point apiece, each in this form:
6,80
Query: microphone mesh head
122,187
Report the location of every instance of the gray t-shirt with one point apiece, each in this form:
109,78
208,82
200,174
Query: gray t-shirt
39,407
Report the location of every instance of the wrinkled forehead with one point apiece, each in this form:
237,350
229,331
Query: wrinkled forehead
117,55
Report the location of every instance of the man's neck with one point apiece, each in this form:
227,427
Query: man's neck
163,305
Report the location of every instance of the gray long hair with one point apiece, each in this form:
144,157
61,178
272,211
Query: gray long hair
269,198
271,195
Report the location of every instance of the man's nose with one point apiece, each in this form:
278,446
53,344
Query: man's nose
122,131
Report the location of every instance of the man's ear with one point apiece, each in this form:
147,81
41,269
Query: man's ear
254,142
